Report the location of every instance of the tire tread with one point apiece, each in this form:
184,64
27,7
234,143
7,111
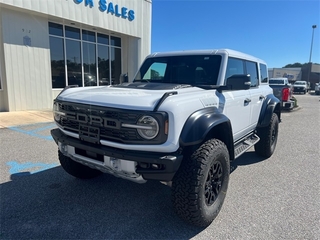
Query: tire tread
186,189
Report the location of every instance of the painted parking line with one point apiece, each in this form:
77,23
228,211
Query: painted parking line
35,132
28,167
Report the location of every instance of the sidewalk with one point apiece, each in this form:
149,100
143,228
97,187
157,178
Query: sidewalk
9,119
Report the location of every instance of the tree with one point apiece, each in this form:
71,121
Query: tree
298,65
295,65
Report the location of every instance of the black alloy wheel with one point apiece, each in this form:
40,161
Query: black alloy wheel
213,183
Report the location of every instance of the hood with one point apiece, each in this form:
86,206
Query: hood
138,95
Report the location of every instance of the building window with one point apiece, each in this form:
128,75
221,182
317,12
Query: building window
115,65
89,64
58,73
103,65
72,32
73,49
84,58
88,36
55,29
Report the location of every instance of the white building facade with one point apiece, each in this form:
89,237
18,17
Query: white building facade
46,45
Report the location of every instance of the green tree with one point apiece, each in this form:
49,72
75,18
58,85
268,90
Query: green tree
295,65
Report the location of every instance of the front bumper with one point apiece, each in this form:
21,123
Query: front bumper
299,89
150,165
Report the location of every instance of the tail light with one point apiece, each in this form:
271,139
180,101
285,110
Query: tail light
285,94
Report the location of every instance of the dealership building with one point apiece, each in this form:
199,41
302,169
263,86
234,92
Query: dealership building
46,45
309,72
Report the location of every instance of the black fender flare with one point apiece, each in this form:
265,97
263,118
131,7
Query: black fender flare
199,125
270,105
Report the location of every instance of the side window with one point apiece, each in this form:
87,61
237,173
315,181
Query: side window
234,66
156,71
252,69
264,73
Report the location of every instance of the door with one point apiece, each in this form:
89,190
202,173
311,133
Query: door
256,93
237,104
238,109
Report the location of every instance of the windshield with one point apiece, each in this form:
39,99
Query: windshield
276,81
299,83
193,70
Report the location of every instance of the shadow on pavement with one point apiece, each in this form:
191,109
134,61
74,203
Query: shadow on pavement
53,205
247,158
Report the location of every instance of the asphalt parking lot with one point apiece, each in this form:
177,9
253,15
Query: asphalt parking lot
275,198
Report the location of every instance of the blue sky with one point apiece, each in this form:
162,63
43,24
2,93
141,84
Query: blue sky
278,32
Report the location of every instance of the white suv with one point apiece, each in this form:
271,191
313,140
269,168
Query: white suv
181,120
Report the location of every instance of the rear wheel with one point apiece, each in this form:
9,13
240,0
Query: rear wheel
200,186
76,169
268,137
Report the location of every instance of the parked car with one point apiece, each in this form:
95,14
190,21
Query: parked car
317,89
300,87
283,90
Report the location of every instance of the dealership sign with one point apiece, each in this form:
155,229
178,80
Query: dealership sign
110,8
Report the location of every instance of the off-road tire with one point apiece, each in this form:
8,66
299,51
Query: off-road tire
200,185
268,138
76,169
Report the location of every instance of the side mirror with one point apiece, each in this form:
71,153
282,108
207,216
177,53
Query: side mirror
238,82
123,78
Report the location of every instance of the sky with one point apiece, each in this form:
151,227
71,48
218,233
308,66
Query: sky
279,32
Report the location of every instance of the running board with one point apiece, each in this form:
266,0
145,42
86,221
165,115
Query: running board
246,143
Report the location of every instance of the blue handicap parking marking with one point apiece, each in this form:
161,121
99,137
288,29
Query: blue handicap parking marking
32,168
35,132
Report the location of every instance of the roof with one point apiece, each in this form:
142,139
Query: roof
225,51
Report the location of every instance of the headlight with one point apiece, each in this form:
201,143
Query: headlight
148,127
56,112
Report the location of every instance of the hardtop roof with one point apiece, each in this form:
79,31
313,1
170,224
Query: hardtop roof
225,51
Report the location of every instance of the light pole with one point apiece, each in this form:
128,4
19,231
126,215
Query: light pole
313,27
310,64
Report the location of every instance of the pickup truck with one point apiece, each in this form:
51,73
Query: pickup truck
300,87
283,90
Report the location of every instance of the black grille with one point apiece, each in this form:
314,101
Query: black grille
108,121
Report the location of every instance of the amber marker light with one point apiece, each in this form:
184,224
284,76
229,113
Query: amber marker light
166,127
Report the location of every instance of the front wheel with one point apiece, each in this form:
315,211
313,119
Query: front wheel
200,185
268,138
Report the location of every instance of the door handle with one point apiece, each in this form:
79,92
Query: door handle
247,100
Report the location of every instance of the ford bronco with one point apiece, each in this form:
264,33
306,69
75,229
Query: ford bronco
182,119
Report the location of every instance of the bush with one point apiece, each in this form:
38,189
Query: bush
295,102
